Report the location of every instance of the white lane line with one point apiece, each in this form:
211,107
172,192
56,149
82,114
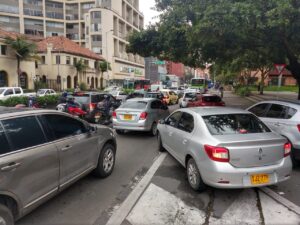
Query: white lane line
119,216
290,205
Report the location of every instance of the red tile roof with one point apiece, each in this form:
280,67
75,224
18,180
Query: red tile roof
63,44
4,34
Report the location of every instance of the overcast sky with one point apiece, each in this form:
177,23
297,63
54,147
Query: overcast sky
145,7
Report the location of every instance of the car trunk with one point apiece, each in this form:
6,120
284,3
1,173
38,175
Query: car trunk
253,150
128,115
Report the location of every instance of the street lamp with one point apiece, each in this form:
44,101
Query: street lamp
107,54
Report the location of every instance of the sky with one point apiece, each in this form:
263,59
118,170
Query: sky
145,7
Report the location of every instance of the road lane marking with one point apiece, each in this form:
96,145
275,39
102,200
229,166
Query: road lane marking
158,206
290,205
119,216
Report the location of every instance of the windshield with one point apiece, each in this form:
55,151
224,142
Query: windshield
134,105
190,95
234,124
2,90
41,91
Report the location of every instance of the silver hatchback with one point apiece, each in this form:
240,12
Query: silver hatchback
139,114
230,148
43,152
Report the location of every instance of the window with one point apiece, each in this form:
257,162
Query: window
173,119
63,126
156,105
3,49
291,113
17,91
277,111
57,59
234,124
5,148
9,92
24,132
186,122
260,109
74,61
68,60
134,105
43,60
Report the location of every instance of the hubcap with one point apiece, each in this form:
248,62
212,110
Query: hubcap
154,129
192,174
108,160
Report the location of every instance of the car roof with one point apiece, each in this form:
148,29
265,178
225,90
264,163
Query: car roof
4,111
141,99
283,102
207,111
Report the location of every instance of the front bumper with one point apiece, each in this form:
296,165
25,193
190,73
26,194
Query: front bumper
216,174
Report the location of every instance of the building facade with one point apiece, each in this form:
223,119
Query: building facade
176,69
100,25
155,70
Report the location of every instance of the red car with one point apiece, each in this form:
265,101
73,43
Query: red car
206,100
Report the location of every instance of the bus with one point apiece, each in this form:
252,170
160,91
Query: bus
200,83
137,84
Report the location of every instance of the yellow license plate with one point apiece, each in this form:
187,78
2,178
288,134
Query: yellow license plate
260,179
127,117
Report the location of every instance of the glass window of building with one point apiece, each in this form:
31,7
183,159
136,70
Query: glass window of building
68,60
54,10
57,59
9,6
10,23
34,27
3,49
33,7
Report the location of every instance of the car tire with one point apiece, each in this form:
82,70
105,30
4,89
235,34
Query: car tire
6,216
160,146
153,131
295,162
120,132
194,177
106,161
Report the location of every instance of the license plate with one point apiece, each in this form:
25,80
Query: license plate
260,179
127,117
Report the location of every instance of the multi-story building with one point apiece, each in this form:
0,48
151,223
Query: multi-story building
155,70
175,68
100,25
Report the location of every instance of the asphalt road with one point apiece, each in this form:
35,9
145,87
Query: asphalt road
92,201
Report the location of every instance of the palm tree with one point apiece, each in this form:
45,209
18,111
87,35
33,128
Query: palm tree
23,48
102,66
80,66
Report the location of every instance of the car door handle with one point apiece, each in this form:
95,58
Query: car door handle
184,141
10,166
68,147
277,124
170,134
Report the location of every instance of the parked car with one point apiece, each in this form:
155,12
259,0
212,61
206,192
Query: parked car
284,118
170,97
228,148
45,151
89,101
119,95
44,92
205,100
157,95
139,115
185,98
7,92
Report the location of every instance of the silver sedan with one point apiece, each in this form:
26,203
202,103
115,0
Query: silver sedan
230,148
139,114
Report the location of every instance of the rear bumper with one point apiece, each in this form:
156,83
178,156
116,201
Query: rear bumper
216,173
137,126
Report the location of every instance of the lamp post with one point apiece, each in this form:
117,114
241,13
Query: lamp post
107,54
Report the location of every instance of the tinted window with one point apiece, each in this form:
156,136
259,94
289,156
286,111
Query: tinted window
63,126
9,92
5,148
24,132
211,99
134,105
277,111
186,122
259,110
97,98
291,113
173,119
190,95
234,124
2,90
156,105
82,99
17,91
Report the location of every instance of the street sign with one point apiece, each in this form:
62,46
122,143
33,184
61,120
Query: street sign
280,67
158,62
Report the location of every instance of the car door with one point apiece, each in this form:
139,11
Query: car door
29,164
154,111
183,135
77,147
275,117
170,127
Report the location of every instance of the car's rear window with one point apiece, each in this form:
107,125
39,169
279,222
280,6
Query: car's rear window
2,90
190,95
234,124
211,99
82,98
134,105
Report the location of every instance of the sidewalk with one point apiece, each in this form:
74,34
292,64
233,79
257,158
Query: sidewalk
271,95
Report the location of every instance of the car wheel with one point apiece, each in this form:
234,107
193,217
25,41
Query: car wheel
194,176
294,160
153,131
106,161
6,217
120,132
160,146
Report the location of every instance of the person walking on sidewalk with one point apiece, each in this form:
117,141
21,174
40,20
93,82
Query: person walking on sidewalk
221,90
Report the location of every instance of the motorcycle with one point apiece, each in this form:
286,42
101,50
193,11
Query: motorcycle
74,109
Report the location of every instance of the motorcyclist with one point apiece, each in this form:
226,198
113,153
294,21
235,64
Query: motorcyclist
63,98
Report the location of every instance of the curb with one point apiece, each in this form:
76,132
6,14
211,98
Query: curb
290,205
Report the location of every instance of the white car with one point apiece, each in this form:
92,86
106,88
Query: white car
7,92
185,98
44,92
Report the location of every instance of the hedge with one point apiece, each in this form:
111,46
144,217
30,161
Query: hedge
49,100
242,91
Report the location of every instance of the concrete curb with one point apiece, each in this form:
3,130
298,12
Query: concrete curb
290,205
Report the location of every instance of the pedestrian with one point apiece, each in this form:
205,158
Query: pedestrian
221,90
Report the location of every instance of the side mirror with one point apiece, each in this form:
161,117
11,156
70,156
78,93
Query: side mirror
162,121
93,129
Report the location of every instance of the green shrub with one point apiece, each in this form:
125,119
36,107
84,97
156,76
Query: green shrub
242,91
70,90
83,86
49,100
128,91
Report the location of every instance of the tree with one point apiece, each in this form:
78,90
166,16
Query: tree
102,66
23,49
216,31
80,67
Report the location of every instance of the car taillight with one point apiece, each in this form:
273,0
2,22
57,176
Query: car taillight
114,114
298,126
92,106
218,154
287,149
143,116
